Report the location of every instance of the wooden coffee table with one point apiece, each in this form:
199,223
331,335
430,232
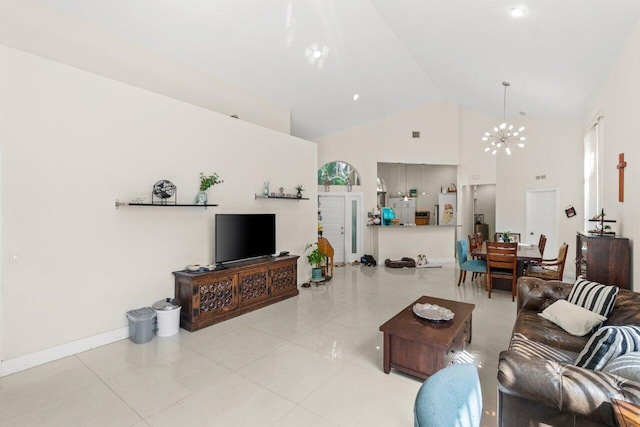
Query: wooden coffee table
627,414
421,347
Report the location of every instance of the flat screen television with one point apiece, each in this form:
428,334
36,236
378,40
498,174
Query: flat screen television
244,236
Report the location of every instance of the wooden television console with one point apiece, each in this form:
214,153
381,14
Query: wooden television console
213,296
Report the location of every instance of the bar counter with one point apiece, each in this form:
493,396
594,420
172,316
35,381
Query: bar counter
397,241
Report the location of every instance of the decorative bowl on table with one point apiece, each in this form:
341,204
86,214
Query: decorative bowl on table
193,267
432,312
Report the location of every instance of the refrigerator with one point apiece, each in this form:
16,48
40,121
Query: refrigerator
405,210
447,208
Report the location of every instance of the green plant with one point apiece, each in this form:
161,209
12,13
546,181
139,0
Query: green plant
315,256
299,188
209,181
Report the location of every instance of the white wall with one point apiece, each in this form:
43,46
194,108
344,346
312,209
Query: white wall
41,29
389,139
619,98
72,142
553,148
435,177
455,136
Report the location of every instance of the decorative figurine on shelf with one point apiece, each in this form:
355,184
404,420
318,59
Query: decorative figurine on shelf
600,228
327,183
299,190
281,194
164,190
205,183
349,186
266,189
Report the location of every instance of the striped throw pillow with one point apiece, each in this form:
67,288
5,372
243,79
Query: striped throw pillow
626,366
608,343
593,296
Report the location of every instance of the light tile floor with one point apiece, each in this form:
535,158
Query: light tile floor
312,360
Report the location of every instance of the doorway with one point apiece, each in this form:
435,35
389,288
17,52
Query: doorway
484,210
340,216
542,218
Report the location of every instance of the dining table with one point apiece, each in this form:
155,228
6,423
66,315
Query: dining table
526,253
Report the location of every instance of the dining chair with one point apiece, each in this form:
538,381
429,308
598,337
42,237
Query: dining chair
542,243
479,239
549,269
466,264
498,237
474,243
452,397
502,262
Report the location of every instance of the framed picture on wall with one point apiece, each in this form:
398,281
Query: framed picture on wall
570,211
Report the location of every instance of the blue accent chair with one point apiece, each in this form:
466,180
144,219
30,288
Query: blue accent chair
450,398
465,264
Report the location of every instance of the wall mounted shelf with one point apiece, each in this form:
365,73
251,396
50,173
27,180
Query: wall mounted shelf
119,203
258,196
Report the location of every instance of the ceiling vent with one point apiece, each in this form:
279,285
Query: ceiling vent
416,134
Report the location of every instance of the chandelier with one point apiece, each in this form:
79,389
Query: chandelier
504,135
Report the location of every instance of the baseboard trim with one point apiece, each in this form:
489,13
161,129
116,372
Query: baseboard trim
441,260
20,363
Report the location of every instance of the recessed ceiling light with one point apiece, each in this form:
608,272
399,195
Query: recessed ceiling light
317,54
356,97
518,12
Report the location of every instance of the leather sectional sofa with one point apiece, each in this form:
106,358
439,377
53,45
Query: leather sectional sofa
537,381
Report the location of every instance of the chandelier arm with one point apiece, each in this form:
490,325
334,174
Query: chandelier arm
504,108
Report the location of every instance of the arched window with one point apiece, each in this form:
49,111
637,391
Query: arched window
338,173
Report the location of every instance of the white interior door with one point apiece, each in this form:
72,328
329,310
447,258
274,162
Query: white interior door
331,217
542,218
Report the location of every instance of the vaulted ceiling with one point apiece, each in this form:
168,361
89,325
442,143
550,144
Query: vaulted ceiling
315,55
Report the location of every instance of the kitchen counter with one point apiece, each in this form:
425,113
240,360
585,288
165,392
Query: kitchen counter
395,242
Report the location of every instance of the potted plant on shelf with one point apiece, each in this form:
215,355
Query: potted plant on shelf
205,183
315,257
299,189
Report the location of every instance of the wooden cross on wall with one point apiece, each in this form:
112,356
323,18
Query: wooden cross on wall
621,165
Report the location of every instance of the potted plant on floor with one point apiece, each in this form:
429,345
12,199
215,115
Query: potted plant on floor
315,257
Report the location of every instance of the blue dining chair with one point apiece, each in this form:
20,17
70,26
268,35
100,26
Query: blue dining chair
466,264
451,397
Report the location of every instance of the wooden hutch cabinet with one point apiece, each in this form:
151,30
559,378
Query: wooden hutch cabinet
213,296
603,259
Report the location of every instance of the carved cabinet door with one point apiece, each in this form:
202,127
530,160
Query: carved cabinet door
253,286
284,278
214,294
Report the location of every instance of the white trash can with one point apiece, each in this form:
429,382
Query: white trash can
168,316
